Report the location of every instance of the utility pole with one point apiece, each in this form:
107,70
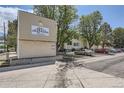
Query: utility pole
5,43
4,31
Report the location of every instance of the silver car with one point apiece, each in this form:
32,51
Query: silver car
87,52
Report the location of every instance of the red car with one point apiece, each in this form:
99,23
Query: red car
102,50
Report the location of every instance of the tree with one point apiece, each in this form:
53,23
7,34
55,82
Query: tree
118,37
68,36
12,34
89,25
63,15
48,11
106,33
98,39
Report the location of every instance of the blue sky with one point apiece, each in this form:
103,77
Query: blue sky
114,15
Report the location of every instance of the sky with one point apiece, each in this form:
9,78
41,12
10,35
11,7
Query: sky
10,13
114,15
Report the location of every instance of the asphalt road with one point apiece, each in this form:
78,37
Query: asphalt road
114,66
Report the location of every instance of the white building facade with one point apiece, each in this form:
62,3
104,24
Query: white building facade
1,42
74,44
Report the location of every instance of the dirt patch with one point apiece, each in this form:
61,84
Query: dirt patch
61,76
63,67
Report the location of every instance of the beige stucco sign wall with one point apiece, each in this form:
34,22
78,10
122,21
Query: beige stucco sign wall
36,36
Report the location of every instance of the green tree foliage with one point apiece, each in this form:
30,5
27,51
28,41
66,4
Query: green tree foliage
68,36
98,39
48,11
106,34
12,34
64,16
89,25
2,46
118,37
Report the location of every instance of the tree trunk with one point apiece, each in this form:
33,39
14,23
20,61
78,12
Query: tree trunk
90,45
57,47
103,45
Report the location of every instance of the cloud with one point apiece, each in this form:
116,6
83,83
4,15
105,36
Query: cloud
9,13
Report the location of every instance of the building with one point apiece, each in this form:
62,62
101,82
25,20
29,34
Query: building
1,42
73,44
1,46
76,44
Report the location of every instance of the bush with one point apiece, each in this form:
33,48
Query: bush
2,46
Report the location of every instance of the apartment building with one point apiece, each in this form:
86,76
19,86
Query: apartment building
76,44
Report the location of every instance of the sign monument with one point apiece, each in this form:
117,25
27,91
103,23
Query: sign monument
36,36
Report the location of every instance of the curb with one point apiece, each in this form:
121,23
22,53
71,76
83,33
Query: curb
11,68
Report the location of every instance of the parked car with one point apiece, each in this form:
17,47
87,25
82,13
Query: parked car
118,50
122,49
87,52
62,50
73,49
81,52
102,50
112,50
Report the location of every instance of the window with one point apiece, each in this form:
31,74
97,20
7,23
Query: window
76,44
70,43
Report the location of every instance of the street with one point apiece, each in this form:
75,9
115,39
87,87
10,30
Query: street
112,67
